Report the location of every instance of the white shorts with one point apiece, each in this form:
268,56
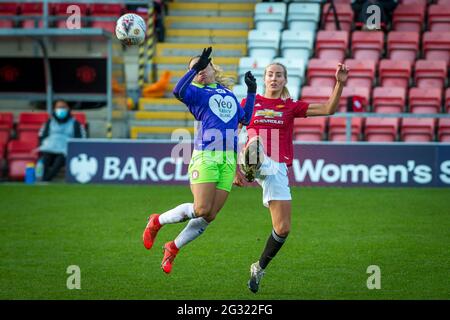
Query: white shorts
272,176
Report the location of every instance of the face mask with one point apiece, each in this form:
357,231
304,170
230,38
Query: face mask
61,113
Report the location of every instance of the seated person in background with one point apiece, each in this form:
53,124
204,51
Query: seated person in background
53,138
363,15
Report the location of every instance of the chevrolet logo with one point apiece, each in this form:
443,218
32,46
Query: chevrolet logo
267,113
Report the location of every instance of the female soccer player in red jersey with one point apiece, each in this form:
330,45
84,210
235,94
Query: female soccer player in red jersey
269,152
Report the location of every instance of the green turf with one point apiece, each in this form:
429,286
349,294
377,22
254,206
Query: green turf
336,234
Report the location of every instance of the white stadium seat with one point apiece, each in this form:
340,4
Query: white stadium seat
297,44
270,16
253,64
262,43
303,16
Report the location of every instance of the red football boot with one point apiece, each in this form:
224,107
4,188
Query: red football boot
170,252
151,230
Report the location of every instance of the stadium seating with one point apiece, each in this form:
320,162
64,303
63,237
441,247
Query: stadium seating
350,91
337,129
394,73
344,14
408,17
256,65
263,43
381,129
430,74
321,73
20,153
303,16
367,45
270,16
362,73
444,130
425,100
436,46
7,10
389,100
316,94
309,129
29,125
240,91
297,44
107,14
331,45
417,130
439,17
447,101
34,11
403,45
6,126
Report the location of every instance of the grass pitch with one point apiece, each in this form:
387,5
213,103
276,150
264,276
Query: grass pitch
336,234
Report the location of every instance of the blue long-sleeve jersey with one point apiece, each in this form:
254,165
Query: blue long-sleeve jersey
217,110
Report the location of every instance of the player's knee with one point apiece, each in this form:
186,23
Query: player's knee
203,210
282,229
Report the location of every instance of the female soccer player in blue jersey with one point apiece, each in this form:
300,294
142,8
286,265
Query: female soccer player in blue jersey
203,89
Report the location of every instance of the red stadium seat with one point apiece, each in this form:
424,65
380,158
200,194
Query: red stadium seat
337,129
316,94
20,153
6,120
425,100
408,17
362,73
331,45
381,129
417,130
394,73
6,125
403,45
439,17
389,100
436,46
367,45
309,129
430,74
447,101
104,10
8,10
80,117
344,14
34,10
444,130
29,125
321,73
350,91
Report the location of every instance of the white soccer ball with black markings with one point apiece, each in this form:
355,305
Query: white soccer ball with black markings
131,29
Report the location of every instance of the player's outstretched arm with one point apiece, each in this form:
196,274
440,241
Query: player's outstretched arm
329,108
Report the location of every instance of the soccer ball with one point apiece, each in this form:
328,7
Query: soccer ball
130,29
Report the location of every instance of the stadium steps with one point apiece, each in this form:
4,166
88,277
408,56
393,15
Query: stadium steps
193,22
208,9
206,36
190,26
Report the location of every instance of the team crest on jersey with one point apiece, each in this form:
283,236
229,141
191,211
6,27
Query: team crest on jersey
268,113
279,106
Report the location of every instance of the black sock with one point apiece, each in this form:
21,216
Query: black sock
273,245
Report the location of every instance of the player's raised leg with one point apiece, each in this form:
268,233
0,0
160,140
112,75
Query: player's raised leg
204,195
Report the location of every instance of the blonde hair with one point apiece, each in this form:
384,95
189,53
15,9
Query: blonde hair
221,79
285,92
